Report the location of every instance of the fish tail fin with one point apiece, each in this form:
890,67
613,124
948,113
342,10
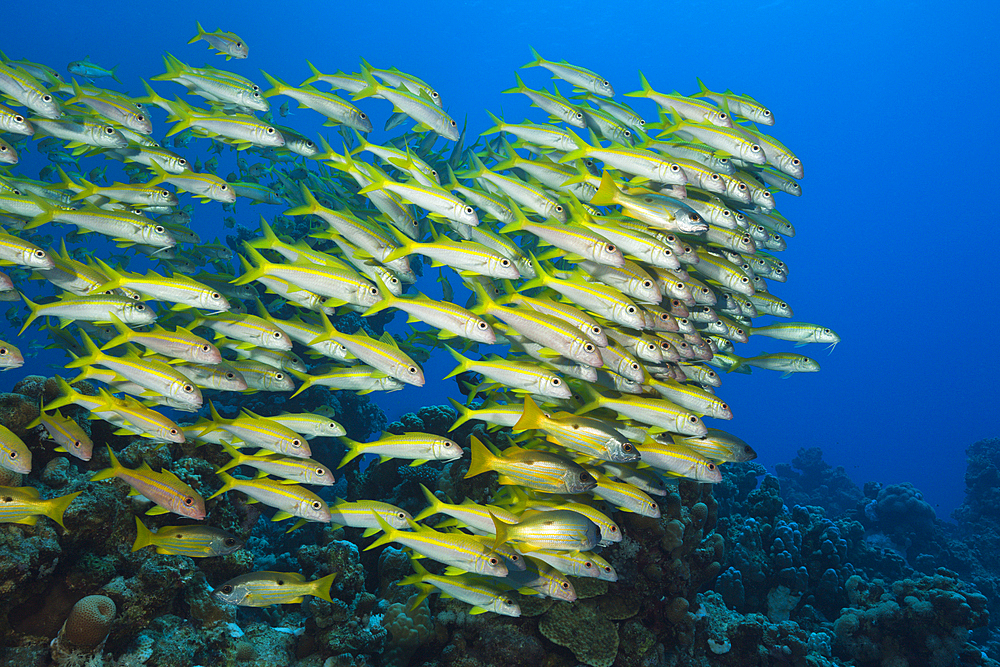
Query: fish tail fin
433,508
463,412
519,88
93,355
531,416
110,471
353,452
500,528
201,34
47,215
582,148
388,532
143,538
152,97
88,189
541,275
321,587
311,206
66,395
481,459
702,88
56,507
484,304
646,88
316,74
497,124
228,482
114,73
307,381
538,60
388,299
608,191
590,396
277,85
32,314
236,458
463,363
259,266
371,87
181,114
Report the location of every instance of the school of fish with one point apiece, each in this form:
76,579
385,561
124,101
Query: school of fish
617,258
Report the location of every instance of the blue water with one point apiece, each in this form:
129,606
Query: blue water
889,105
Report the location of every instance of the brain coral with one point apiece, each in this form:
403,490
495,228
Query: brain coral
582,629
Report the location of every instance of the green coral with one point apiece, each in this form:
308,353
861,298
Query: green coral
584,630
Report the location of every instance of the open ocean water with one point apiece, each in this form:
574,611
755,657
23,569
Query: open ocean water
888,104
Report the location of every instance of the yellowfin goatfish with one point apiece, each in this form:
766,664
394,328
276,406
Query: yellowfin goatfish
537,470
481,595
14,454
22,505
460,552
226,43
262,589
66,433
418,447
163,488
190,541
289,499
589,436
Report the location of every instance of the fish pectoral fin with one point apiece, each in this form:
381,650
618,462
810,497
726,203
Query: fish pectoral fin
157,510
282,515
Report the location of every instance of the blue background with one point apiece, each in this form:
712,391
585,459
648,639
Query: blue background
890,106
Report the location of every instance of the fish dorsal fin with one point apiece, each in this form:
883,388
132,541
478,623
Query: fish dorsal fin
389,340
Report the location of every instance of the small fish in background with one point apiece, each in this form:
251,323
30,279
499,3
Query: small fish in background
98,174
284,110
229,222
91,70
226,43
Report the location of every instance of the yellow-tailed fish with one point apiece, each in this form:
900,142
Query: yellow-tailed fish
258,431
718,445
190,541
163,488
461,553
582,78
383,354
481,595
592,437
518,376
679,461
66,433
22,505
537,470
292,469
479,518
263,589
226,43
417,447
289,499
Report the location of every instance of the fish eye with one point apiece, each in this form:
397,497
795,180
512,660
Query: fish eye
46,98
279,376
215,295
626,447
188,501
796,161
481,324
579,115
589,347
627,134
159,229
239,43
230,376
493,561
77,444
401,515
362,115
634,366
559,208
412,370
556,382
277,334
373,290
596,330
754,148
139,306
505,263
182,161
611,248
711,466
270,130
109,130
320,471
12,455
173,431
19,118
188,388
564,584
630,310
693,419
223,187
674,168
229,541
39,253
647,284
453,124
296,442
316,504
744,279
